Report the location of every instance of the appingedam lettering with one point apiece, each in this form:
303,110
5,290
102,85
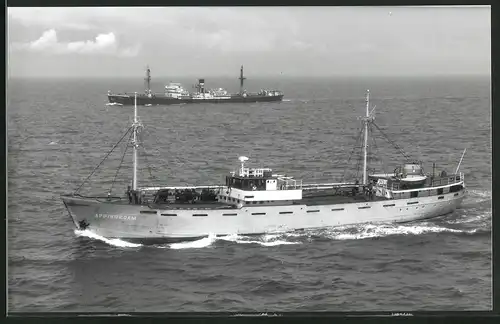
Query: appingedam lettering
122,217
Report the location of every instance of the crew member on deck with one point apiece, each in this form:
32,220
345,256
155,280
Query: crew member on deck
129,195
370,190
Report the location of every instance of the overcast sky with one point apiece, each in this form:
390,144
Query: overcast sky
294,41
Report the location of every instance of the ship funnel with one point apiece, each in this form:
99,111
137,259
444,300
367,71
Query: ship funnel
243,159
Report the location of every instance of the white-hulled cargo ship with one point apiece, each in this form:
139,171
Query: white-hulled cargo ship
257,201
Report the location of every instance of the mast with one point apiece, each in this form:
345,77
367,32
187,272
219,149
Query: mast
241,78
367,120
147,80
135,126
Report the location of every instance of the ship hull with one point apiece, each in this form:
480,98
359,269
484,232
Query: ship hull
143,100
145,224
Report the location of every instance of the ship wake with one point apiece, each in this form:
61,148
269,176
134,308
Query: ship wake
476,197
263,240
370,231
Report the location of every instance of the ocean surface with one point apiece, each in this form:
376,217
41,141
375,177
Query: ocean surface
59,130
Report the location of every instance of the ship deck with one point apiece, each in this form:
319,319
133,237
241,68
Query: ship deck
338,199
311,200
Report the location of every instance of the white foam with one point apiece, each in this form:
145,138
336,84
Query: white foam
204,242
273,243
267,240
471,219
371,231
481,193
114,242
477,196
270,237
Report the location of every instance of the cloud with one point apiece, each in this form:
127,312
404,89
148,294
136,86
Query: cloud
345,39
103,44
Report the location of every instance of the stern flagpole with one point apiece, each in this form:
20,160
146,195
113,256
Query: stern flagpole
458,167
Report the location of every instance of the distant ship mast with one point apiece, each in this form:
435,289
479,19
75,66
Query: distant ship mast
241,78
147,80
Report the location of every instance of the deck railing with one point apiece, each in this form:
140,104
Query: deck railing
456,178
441,181
290,184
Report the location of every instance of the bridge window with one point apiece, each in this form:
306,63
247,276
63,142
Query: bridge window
440,191
413,194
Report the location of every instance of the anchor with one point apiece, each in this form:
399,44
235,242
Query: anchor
83,224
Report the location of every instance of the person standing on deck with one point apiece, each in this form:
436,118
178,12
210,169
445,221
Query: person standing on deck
129,195
370,190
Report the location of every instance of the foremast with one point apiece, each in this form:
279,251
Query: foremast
369,118
136,126
242,79
147,81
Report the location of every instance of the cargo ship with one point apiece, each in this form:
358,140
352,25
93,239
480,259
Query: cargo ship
176,94
253,201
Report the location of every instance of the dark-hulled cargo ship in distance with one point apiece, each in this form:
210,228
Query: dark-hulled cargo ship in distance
176,94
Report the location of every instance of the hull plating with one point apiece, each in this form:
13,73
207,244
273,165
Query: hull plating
143,223
158,100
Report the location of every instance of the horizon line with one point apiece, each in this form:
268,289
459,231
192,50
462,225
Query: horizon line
254,76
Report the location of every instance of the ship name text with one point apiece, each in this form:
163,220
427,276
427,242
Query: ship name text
122,217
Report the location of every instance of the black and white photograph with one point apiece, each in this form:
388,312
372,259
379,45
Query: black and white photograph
251,159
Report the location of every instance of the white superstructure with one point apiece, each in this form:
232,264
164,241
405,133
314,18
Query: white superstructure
175,90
